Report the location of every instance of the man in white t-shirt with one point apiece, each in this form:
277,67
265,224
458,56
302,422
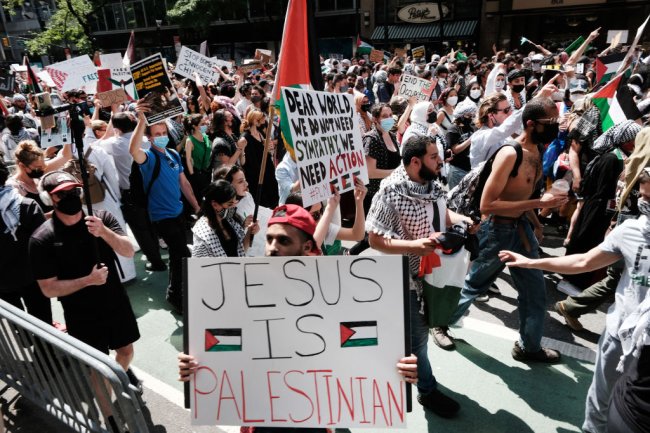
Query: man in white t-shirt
629,241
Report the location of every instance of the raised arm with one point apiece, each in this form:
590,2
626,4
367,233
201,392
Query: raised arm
135,145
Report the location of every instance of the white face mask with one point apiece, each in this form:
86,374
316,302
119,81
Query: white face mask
576,97
499,84
475,93
452,100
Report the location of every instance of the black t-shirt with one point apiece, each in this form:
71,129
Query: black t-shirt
15,271
458,135
66,252
632,395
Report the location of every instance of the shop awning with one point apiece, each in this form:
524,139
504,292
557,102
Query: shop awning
451,30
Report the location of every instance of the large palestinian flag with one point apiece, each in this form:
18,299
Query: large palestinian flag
298,62
615,102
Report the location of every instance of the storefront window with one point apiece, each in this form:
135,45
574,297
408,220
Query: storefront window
334,5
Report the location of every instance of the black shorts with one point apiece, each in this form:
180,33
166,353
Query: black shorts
106,334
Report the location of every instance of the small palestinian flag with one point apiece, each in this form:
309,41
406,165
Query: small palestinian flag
363,47
223,340
606,67
616,103
345,181
355,334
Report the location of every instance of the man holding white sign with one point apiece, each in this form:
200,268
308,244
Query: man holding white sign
290,233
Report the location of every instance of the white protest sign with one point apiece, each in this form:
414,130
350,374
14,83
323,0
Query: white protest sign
297,341
75,73
113,62
45,77
189,62
326,140
618,36
410,85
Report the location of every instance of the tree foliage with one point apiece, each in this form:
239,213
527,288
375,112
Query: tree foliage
68,27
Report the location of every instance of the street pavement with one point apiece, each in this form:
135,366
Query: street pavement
496,393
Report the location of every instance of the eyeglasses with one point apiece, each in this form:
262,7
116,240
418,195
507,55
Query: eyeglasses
75,192
551,121
505,110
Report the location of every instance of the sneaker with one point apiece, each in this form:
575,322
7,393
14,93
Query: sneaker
494,289
572,322
442,339
548,356
133,380
482,298
158,267
567,288
439,404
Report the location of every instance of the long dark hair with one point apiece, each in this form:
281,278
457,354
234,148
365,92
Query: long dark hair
220,191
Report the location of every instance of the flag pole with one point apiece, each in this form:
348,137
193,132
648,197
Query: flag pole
260,180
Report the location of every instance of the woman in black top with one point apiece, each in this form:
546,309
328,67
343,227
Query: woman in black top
458,140
252,139
222,126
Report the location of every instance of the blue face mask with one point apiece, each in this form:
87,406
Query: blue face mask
161,142
387,124
91,109
203,128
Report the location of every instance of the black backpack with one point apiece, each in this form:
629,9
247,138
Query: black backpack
138,194
465,198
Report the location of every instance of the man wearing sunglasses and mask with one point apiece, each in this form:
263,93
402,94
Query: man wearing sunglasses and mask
509,223
96,307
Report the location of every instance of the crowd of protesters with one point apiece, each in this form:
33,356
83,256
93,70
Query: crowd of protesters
527,114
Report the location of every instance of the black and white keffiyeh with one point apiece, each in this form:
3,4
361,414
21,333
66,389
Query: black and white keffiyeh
616,136
207,243
403,209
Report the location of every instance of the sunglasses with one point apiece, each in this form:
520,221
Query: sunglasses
171,163
551,121
74,192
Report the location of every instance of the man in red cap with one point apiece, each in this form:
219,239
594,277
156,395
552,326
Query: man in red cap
96,307
290,232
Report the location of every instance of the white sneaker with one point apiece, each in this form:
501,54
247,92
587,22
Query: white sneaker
482,298
567,288
494,289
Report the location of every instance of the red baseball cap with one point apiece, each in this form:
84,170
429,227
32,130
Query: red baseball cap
295,216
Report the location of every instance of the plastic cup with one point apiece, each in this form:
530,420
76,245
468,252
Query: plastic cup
560,187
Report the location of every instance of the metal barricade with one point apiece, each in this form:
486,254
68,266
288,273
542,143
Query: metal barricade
76,383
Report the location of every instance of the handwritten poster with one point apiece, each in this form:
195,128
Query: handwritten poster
411,85
75,73
418,52
297,341
326,141
153,85
189,62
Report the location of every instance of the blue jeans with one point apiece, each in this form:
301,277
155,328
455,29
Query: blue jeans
455,175
528,282
419,340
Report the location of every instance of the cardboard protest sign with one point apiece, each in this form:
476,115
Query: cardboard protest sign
615,37
326,140
410,85
45,77
297,341
265,56
154,86
189,62
116,96
249,67
400,52
376,56
7,83
418,52
75,73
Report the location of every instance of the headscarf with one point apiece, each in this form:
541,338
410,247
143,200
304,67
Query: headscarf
227,104
589,127
616,136
466,106
637,161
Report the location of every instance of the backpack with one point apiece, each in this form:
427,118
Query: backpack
96,186
138,194
465,198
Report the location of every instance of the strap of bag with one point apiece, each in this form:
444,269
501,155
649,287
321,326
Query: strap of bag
154,175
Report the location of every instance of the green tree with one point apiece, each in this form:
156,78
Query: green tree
68,27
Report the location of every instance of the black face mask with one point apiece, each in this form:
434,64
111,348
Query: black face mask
432,117
366,107
35,174
256,99
70,204
466,122
549,134
517,88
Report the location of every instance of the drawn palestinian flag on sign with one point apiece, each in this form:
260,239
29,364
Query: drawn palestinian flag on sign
355,334
223,340
58,77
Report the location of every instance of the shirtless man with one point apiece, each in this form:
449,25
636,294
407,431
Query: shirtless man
510,224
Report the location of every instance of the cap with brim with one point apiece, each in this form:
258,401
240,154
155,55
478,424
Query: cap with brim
295,216
59,180
515,73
